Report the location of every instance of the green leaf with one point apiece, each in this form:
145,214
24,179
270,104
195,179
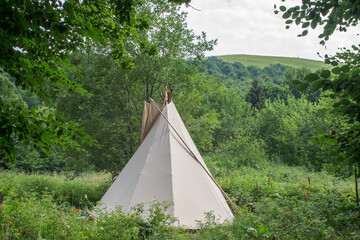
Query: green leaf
337,104
298,20
304,7
295,82
312,77
314,23
325,73
286,15
332,141
302,86
316,85
334,63
345,69
282,8
345,102
336,70
304,33
289,21
314,140
305,24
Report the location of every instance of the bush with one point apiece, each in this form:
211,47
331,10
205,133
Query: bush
240,151
38,218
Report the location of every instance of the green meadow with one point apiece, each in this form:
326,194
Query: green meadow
263,61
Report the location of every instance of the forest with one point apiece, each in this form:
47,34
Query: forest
282,141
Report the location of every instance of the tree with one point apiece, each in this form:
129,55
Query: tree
297,75
342,82
286,127
36,40
256,95
27,158
112,113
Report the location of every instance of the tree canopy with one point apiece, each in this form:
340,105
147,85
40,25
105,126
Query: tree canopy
36,40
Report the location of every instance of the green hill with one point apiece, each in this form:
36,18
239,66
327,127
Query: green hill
263,61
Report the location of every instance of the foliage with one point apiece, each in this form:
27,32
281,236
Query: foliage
235,115
241,151
112,112
286,203
293,76
28,158
17,119
20,186
31,27
333,14
36,218
66,26
201,120
286,128
276,201
238,75
256,95
342,81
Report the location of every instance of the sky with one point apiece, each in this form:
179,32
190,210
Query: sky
251,27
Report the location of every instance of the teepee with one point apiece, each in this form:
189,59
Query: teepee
167,167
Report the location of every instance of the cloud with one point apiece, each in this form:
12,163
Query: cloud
251,27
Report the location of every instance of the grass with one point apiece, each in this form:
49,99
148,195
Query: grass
263,61
277,202
63,188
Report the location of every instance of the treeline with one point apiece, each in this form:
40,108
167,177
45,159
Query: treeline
263,116
243,115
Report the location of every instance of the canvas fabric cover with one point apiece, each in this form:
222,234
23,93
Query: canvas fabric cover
163,169
150,114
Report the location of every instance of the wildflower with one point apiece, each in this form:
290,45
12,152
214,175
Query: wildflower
76,210
305,192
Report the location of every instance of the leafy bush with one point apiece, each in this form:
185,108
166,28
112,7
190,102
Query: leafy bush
293,203
241,151
38,218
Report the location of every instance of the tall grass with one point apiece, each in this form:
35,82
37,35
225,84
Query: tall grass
276,201
20,186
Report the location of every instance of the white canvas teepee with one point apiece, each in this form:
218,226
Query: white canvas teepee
163,168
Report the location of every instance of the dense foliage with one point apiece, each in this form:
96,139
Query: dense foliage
36,40
260,128
276,201
342,82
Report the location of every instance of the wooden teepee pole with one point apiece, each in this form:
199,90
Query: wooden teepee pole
202,166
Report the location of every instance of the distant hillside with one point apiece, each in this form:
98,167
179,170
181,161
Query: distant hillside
263,61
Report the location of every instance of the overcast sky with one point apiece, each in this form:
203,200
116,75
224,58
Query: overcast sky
251,27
